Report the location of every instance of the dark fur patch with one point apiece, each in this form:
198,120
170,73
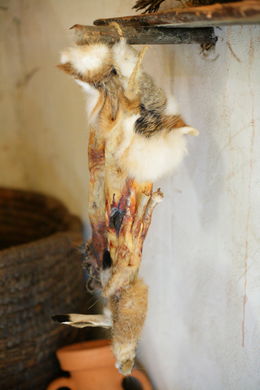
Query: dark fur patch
116,219
149,122
107,261
61,318
94,78
113,71
131,383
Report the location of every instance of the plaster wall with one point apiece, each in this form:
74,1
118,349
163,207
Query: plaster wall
201,257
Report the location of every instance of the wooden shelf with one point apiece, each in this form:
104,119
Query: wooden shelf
174,26
242,12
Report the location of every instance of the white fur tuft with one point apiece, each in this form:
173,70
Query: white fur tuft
171,106
92,96
86,58
64,57
127,135
125,58
148,159
189,130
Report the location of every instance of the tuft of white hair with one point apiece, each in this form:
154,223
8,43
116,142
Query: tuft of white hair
124,57
172,107
86,58
148,159
92,97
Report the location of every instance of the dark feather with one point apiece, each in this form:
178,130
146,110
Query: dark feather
150,6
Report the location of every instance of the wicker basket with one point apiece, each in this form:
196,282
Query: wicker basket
40,275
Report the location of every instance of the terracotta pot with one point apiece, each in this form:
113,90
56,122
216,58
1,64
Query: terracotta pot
92,367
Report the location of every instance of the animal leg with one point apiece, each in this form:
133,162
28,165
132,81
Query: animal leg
128,312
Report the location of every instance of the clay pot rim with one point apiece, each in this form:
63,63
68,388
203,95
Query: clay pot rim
85,345
86,355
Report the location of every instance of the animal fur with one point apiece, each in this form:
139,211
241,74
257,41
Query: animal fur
149,140
125,316
136,136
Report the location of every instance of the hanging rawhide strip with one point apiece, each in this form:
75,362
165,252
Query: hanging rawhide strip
136,136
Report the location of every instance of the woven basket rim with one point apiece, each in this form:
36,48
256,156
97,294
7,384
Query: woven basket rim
72,235
72,231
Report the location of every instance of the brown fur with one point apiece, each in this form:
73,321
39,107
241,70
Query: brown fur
93,78
129,312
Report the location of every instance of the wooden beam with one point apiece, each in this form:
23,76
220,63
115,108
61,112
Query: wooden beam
144,35
243,12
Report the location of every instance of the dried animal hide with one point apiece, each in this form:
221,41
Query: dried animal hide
136,136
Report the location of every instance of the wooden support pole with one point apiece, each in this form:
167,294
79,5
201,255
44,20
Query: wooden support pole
144,35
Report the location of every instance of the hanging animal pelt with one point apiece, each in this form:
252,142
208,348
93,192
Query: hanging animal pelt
136,136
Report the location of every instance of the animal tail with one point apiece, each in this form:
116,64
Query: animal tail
83,320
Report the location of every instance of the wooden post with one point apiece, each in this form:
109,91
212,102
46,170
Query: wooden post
142,35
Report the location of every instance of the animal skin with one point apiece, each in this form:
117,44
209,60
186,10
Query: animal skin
152,127
136,136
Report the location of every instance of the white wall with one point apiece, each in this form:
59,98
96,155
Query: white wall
200,257
202,254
